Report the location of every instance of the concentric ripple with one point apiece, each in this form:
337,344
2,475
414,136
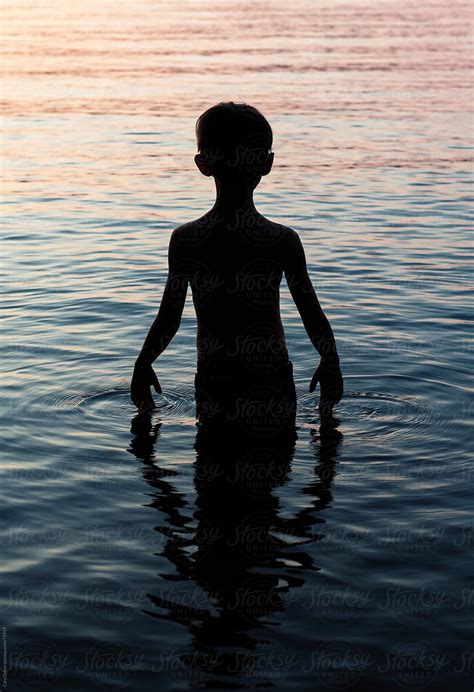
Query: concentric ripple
375,414
362,413
174,403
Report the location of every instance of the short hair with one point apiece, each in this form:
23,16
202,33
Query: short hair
234,138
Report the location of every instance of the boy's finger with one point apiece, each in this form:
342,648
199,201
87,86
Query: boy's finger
325,409
156,383
146,406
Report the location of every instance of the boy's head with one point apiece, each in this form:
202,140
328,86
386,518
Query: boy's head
234,142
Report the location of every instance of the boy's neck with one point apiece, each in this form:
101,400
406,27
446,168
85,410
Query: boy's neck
233,197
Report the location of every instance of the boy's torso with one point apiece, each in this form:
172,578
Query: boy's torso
234,266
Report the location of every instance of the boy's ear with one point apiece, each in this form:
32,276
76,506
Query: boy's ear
201,163
267,166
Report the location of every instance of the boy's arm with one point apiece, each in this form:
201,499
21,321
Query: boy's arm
317,326
163,328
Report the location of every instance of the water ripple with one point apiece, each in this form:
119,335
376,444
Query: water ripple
376,415
177,402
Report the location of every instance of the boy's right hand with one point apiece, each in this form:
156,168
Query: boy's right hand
144,377
331,385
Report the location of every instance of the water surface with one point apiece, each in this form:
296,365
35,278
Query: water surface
118,571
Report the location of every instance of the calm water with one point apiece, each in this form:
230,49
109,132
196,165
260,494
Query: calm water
352,566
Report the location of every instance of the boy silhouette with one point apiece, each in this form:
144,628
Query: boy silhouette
234,258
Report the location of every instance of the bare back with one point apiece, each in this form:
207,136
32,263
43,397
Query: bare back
234,267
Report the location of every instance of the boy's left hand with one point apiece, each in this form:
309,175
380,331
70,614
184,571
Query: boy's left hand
144,377
331,385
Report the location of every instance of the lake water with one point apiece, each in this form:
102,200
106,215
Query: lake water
351,570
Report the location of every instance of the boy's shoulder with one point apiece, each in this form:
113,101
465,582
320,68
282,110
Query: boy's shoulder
184,228
285,232
254,226
285,236
189,233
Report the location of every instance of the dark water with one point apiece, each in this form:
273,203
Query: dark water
339,561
